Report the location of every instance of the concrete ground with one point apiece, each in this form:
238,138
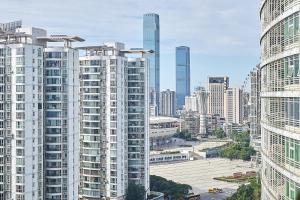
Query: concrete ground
200,173
196,146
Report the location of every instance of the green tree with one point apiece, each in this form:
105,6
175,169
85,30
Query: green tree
219,133
251,191
175,190
184,134
240,148
135,192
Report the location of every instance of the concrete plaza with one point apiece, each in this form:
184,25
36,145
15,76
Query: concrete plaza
200,173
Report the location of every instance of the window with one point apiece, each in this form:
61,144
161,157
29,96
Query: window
20,61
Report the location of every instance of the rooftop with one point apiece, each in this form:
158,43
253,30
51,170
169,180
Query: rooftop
161,119
61,38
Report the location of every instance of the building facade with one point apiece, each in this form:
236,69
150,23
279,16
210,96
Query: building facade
280,99
21,120
138,122
114,116
40,109
254,115
191,103
167,103
190,122
182,75
104,118
234,106
61,132
202,95
217,87
151,41
162,129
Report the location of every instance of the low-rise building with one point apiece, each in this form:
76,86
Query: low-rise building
190,122
169,157
162,130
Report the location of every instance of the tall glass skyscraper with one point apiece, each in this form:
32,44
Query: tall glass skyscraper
151,42
182,75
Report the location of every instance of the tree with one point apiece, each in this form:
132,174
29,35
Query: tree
219,133
184,134
240,149
251,191
169,188
135,192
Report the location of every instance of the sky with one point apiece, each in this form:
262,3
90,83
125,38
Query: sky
223,34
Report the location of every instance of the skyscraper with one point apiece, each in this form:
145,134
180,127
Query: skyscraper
233,106
182,75
151,41
167,103
280,99
115,131
216,101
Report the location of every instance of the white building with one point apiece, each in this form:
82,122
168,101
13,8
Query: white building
21,117
217,87
254,115
39,105
167,103
280,99
61,127
191,104
197,103
162,129
234,106
114,117
138,122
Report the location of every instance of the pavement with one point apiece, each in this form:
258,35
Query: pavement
200,173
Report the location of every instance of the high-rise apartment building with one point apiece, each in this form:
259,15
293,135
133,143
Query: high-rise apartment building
151,41
61,127
39,115
21,116
10,26
167,103
182,75
138,122
217,87
104,118
245,106
114,115
280,99
234,106
254,115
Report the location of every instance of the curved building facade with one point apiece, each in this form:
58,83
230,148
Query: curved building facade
280,99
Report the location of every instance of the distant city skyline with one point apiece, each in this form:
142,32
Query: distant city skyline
223,36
